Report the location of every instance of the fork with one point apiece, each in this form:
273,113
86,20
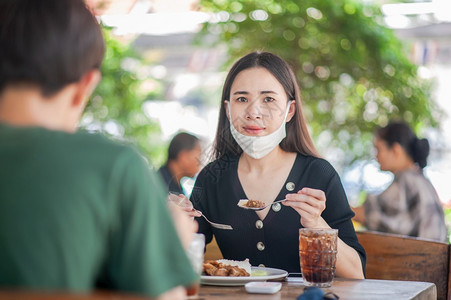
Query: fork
241,204
216,225
179,202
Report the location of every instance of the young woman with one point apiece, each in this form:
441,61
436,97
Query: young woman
410,205
263,151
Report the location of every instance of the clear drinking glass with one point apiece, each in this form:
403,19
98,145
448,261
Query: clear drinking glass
318,255
195,253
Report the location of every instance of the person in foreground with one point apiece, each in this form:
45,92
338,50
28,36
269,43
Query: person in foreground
410,205
263,151
183,161
77,211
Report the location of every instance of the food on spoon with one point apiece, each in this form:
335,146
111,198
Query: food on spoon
251,203
226,267
255,203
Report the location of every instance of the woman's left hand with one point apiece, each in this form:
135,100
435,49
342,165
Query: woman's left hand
309,203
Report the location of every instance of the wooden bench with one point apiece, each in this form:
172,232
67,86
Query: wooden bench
397,257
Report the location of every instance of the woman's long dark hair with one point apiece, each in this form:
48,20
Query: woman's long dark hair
298,138
400,132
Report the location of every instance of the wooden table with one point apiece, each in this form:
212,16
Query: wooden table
344,288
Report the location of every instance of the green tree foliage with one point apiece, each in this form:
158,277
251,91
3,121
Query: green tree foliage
116,106
353,72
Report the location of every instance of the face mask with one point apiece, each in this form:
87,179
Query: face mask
259,146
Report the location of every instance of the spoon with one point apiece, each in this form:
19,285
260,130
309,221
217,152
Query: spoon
243,202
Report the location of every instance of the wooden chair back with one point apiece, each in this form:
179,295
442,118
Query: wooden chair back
397,257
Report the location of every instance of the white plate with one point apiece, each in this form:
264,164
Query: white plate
235,281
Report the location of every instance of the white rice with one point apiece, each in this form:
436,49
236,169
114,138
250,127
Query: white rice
243,264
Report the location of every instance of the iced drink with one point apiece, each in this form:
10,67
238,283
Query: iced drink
318,254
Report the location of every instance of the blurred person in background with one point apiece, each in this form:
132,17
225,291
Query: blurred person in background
410,205
77,211
183,161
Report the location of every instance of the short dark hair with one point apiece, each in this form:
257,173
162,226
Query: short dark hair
401,133
49,43
297,139
183,141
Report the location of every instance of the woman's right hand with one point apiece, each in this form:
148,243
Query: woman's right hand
183,202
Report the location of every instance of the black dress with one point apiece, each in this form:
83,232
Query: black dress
273,241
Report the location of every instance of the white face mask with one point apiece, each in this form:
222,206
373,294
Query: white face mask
259,146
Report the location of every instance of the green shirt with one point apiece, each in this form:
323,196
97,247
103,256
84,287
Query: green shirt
78,209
